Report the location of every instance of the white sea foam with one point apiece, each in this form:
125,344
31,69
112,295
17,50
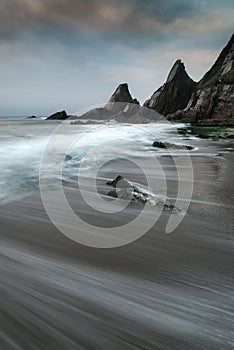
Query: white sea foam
22,143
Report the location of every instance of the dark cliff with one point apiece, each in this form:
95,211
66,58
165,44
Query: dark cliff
121,102
175,93
211,99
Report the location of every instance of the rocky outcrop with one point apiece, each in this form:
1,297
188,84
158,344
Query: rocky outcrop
175,93
123,189
122,95
222,72
58,116
95,114
167,145
121,105
208,102
121,100
213,99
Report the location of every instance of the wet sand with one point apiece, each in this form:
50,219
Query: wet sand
164,291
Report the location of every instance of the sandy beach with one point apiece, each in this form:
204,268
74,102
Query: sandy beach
164,291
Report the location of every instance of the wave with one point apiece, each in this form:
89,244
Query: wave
22,144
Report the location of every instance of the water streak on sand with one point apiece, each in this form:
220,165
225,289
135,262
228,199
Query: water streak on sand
161,292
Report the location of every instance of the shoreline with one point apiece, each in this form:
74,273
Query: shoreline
162,291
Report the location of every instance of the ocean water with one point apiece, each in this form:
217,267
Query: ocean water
161,292
24,143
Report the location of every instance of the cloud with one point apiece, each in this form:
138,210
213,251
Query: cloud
64,51
132,22
130,15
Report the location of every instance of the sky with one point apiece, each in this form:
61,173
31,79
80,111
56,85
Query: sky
72,54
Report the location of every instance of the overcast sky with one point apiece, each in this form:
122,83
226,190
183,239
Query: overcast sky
72,54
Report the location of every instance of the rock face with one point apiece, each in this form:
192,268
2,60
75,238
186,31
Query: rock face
58,116
96,114
122,94
175,93
208,102
120,104
214,96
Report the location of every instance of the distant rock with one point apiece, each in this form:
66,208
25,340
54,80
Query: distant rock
160,144
122,102
122,94
175,93
62,115
208,102
212,102
31,117
121,105
214,96
96,114
68,157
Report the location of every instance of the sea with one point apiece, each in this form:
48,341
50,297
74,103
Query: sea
162,291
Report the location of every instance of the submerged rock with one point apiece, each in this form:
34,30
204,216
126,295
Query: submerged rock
212,133
160,144
212,102
123,189
68,157
31,117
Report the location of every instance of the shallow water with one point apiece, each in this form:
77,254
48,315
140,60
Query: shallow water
161,292
23,143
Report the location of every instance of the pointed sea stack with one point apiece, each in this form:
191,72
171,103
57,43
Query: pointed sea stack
175,93
121,101
213,100
122,94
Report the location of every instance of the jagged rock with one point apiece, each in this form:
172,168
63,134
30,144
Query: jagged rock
115,181
175,93
121,95
123,189
222,71
58,116
208,102
121,102
120,106
213,99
